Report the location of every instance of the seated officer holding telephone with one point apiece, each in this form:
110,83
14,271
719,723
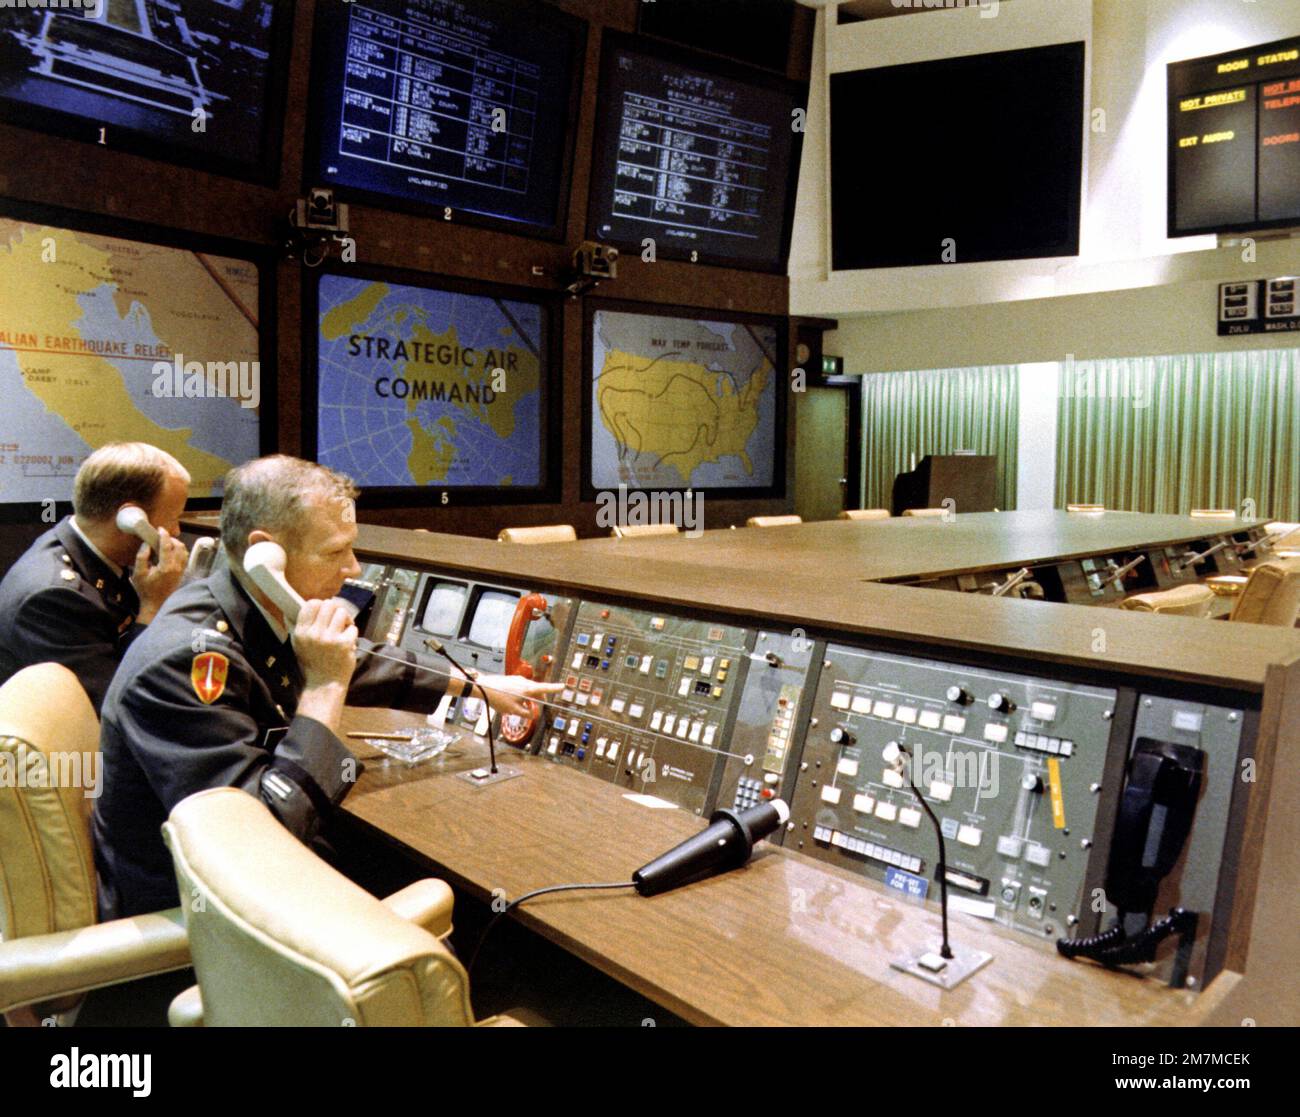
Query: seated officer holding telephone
229,688
86,588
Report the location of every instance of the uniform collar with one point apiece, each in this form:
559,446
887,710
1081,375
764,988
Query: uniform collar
86,557
250,621
117,569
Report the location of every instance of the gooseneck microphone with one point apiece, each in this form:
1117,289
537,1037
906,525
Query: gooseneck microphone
898,758
472,681
725,843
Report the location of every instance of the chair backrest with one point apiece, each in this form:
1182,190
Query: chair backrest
1182,601
279,938
549,533
772,521
1287,536
1272,596
924,512
630,531
49,744
865,514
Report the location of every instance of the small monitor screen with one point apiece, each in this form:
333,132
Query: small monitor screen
442,610
448,104
697,156
492,616
190,81
420,387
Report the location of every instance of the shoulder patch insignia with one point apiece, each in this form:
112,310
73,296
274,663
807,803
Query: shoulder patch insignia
208,676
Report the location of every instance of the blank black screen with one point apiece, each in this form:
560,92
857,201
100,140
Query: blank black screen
756,31
985,151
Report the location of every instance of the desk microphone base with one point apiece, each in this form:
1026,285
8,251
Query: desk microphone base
947,973
504,772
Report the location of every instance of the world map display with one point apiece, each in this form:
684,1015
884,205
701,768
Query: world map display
421,387
682,403
85,320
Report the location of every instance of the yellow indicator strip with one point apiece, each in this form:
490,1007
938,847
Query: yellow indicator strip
1054,786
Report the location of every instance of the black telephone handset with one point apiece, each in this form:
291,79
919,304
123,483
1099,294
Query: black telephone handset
1155,818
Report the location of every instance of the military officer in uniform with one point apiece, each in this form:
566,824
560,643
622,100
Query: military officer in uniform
222,691
85,590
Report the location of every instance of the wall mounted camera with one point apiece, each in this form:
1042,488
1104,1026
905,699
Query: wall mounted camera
316,224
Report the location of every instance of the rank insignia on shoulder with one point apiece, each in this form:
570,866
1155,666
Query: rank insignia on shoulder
208,676
68,575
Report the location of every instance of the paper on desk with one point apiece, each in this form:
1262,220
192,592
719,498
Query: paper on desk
651,801
983,909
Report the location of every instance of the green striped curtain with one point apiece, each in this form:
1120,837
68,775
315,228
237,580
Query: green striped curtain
1169,434
937,412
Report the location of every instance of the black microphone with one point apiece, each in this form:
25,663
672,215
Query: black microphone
725,843
472,681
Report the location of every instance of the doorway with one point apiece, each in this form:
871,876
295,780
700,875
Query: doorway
828,448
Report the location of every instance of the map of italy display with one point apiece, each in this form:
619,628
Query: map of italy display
682,403
425,387
84,320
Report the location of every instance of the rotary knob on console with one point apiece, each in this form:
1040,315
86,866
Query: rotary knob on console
1032,781
960,695
1001,703
841,736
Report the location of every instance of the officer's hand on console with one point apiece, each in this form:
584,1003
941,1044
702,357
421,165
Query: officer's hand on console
154,582
325,642
506,693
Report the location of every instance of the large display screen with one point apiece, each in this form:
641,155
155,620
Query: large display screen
684,402
464,106
959,160
1234,140
194,81
429,387
105,339
695,154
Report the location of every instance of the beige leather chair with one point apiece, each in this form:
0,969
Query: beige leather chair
281,939
772,521
550,533
1287,536
54,950
1272,596
1181,601
928,513
865,514
633,531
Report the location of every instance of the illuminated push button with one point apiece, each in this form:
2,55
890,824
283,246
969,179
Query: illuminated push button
930,719
886,812
710,732
566,696
940,791
969,835
669,722
697,727
597,640
612,754
683,727
691,663
847,767
1010,846
1038,855
1043,711
830,794
1187,721
861,705
883,709
635,711
577,660
994,732
906,714
771,778
840,700
863,804
954,723
1053,744
909,816
891,778
601,742
722,676
1067,748
554,746
573,728
618,705
684,687
656,720
706,668
717,692
582,699
646,661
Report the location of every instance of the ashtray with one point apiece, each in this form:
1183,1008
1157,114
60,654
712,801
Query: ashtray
424,745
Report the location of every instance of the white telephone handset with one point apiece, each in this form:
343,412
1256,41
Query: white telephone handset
134,521
264,563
